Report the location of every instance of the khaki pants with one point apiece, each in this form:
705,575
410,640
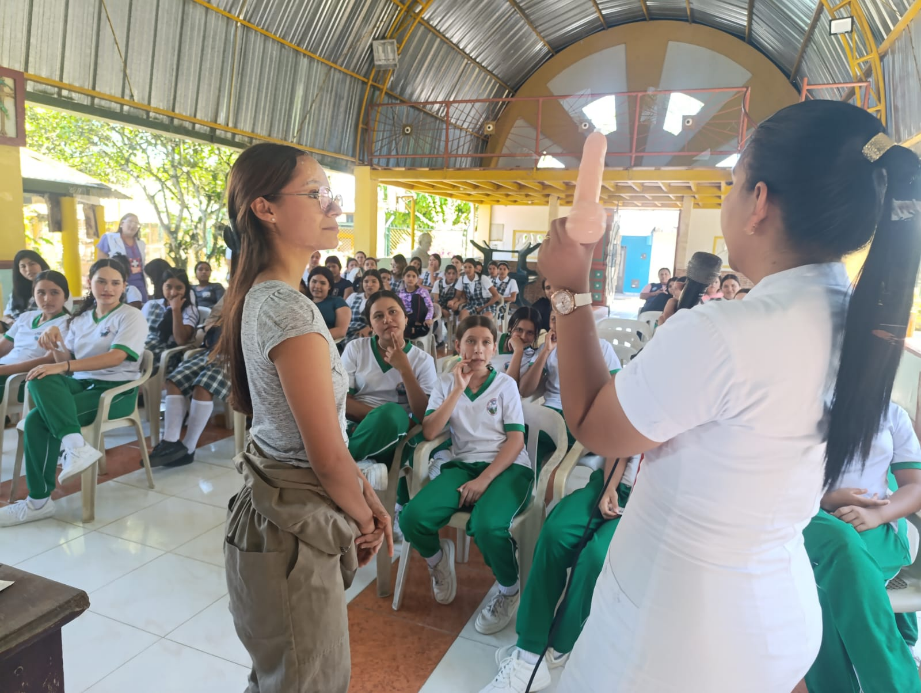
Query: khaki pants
289,556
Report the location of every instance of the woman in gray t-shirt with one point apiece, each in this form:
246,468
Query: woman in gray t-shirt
306,518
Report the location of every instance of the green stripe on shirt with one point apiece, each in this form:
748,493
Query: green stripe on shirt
131,355
514,427
898,466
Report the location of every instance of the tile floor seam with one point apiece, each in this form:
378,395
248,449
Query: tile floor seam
75,524
396,615
56,546
165,551
199,613
193,558
130,659
210,654
162,553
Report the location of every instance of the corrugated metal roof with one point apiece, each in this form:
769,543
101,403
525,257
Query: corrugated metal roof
185,57
903,84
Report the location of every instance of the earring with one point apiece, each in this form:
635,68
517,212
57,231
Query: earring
273,220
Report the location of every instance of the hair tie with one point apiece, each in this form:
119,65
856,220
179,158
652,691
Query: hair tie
232,237
876,147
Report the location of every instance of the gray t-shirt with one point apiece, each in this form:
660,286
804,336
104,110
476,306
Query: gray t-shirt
272,313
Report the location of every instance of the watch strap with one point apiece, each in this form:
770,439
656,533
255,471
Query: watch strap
580,300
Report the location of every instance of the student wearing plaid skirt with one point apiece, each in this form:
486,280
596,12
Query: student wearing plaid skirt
199,379
358,326
481,296
172,320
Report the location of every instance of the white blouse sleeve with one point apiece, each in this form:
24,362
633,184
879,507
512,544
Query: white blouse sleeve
681,379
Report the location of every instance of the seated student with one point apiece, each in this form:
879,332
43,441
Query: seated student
658,301
741,294
172,320
358,326
478,266
360,258
207,293
554,556
517,346
656,288
154,270
352,270
856,543
397,265
417,263
433,273
199,379
444,291
671,305
336,313
505,285
489,474
314,261
370,263
101,349
340,286
492,269
133,295
386,279
480,296
26,266
418,303
730,286
390,381
543,305
713,292
458,262
19,350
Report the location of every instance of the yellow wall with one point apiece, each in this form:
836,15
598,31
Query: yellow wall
12,231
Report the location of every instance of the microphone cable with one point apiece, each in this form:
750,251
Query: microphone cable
579,547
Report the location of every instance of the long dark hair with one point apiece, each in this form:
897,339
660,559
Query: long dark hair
54,277
154,270
371,273
22,287
833,200
261,170
89,303
525,313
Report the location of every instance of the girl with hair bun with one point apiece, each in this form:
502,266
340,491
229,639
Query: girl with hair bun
708,585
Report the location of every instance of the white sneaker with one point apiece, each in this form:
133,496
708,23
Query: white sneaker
76,460
444,579
498,613
21,512
555,659
376,473
514,673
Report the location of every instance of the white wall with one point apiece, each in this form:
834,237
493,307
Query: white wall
704,227
522,218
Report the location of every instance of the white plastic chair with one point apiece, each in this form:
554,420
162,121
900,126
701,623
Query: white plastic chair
10,403
634,333
94,434
427,344
651,318
526,526
203,315
153,391
904,589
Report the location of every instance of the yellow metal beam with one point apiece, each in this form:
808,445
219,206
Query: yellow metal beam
177,116
533,28
808,35
600,14
645,9
687,3
912,141
611,175
897,30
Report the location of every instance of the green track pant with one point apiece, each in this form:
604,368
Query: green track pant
554,555
62,405
376,437
490,519
862,647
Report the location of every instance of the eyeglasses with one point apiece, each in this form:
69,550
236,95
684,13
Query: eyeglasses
324,196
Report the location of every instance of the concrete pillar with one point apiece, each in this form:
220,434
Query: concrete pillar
684,229
70,238
366,215
12,228
553,212
483,225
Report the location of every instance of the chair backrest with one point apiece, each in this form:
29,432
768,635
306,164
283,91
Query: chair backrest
436,311
624,352
146,367
651,318
539,420
446,364
203,315
622,331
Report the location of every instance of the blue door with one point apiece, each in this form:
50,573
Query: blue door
636,263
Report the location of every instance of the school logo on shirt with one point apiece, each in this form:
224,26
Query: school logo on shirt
492,406
105,332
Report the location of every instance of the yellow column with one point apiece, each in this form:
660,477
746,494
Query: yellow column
70,238
12,225
365,211
100,212
483,224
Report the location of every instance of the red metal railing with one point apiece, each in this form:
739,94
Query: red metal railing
857,93
516,132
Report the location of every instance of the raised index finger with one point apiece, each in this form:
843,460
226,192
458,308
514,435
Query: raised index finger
591,169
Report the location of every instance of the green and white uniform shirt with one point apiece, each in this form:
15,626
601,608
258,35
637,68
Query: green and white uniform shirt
122,328
374,382
481,420
504,354
552,396
25,332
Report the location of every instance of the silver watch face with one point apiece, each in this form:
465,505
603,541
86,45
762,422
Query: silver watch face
563,302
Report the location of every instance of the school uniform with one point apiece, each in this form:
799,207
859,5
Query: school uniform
504,354
709,557
159,333
62,404
429,278
552,396
419,308
356,302
864,645
112,243
445,291
375,382
203,370
24,335
506,288
478,293
555,556
208,295
479,427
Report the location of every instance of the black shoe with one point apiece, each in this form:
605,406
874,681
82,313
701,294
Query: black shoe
167,452
182,461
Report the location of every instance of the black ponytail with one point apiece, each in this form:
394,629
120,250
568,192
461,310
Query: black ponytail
835,194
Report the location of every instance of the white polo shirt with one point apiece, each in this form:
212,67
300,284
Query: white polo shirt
895,444
736,391
24,335
121,328
441,285
468,285
552,397
133,294
510,288
481,419
501,361
374,382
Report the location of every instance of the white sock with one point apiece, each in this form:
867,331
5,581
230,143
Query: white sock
38,504
199,414
435,560
509,591
527,657
172,419
72,441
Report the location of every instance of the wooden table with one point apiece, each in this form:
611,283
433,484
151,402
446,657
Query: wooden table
32,613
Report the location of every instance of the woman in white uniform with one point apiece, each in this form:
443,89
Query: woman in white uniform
707,585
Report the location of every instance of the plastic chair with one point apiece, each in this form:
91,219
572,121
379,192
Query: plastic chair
427,344
634,333
651,318
153,391
526,526
10,403
904,589
203,315
94,434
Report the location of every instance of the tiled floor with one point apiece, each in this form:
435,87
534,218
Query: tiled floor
152,564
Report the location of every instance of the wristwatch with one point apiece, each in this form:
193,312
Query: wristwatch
565,301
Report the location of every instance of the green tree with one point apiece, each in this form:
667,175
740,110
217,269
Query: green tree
182,180
431,211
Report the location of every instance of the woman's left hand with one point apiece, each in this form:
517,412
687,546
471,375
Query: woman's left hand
40,372
861,519
472,491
